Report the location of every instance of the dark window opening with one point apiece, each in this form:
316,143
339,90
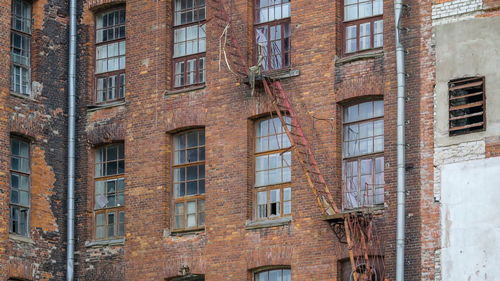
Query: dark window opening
466,105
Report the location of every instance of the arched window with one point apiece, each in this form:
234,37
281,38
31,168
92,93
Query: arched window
363,155
281,274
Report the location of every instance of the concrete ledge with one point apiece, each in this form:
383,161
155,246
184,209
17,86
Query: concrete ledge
367,55
184,90
169,233
21,96
19,238
267,223
95,107
101,243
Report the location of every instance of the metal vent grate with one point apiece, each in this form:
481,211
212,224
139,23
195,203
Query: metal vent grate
466,105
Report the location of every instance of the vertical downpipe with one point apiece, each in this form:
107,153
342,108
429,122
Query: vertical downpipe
71,142
401,188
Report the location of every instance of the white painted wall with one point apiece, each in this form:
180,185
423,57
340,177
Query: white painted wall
470,220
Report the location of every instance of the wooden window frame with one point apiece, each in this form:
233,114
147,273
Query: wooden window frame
112,209
282,22
185,199
357,22
24,174
270,187
109,74
186,58
271,268
28,36
358,158
468,83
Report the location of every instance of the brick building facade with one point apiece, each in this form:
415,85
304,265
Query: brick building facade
170,175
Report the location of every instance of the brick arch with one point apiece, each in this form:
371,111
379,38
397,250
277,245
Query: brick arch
95,5
359,88
269,257
105,133
21,270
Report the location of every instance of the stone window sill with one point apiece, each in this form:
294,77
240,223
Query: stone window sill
26,97
356,57
268,223
184,90
183,232
20,238
95,107
102,243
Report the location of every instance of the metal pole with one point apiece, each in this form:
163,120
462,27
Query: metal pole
71,142
401,188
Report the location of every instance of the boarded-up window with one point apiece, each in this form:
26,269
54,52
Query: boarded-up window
467,107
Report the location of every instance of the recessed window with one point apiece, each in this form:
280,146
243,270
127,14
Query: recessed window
272,34
363,154
466,105
371,271
110,55
109,195
363,25
274,275
189,42
20,47
20,181
273,174
189,180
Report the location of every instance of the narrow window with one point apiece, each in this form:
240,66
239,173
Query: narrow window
272,169
189,42
20,47
272,34
274,275
189,180
20,195
110,55
363,25
363,154
466,106
109,192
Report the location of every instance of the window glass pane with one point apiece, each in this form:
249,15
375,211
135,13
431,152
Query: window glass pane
365,9
378,7
275,275
378,108
351,12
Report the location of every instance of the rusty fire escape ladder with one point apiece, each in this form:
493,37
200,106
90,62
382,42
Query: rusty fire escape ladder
301,146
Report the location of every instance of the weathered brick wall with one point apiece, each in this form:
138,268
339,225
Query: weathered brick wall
40,118
226,250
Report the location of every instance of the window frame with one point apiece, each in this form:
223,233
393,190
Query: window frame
109,74
197,56
357,22
198,197
105,210
28,36
24,174
471,127
271,268
281,186
373,156
281,22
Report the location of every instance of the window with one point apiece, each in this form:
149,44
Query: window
274,275
272,169
376,269
363,25
272,34
363,153
109,192
110,55
189,42
20,47
20,177
189,180
466,105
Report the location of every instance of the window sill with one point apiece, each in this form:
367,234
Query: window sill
21,96
20,238
183,232
275,75
267,223
184,90
101,243
361,56
95,107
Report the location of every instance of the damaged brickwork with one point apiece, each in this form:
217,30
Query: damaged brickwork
41,120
